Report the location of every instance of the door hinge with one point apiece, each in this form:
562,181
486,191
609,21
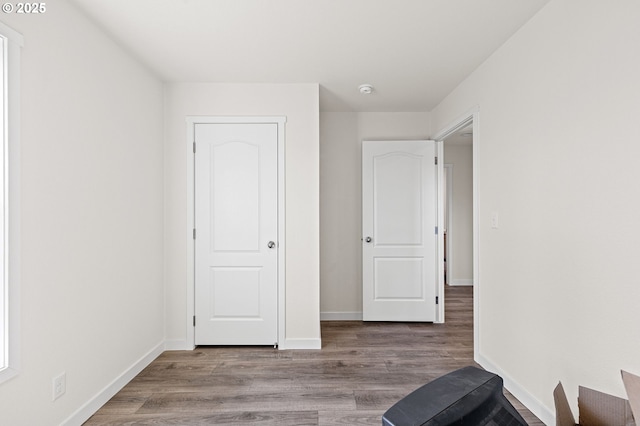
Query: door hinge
194,320
436,158
194,147
436,231
194,233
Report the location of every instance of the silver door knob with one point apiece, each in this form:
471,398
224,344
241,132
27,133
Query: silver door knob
271,244
368,239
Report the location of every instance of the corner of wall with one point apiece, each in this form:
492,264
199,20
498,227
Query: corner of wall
547,416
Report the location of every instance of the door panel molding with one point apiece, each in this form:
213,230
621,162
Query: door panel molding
191,122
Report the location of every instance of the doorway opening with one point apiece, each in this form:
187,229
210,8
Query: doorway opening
461,140
458,208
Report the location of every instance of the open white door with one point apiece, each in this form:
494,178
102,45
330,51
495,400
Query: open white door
399,219
236,233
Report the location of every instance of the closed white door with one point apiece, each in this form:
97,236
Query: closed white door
236,229
399,212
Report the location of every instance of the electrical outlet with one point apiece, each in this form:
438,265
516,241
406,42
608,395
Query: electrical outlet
59,385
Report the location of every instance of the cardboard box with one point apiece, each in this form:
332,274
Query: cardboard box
600,409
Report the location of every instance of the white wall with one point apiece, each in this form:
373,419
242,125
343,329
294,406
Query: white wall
461,236
300,104
558,160
92,197
341,136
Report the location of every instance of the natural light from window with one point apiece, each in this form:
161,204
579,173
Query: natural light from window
10,44
3,204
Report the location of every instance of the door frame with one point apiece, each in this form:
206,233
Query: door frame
470,117
191,122
440,235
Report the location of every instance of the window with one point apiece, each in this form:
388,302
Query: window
10,44
3,204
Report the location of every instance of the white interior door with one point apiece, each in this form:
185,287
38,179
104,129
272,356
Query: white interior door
399,218
236,230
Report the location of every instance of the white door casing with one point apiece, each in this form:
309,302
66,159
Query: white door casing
471,117
399,204
236,222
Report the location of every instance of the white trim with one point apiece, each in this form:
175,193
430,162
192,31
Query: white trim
457,124
547,416
296,344
13,36
440,238
190,329
340,316
282,225
476,233
11,143
461,282
191,122
88,409
472,116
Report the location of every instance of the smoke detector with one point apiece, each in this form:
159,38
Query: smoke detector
365,89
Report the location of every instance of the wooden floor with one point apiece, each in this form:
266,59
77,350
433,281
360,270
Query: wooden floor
361,371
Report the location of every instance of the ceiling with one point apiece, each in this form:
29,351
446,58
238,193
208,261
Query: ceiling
414,52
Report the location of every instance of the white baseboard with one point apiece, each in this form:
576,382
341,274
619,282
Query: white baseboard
90,407
301,344
462,282
340,316
546,415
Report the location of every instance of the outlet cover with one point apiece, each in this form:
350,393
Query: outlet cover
59,385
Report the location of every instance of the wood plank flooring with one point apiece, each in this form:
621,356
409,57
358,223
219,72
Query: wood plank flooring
361,371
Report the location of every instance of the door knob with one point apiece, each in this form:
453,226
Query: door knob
271,244
368,239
